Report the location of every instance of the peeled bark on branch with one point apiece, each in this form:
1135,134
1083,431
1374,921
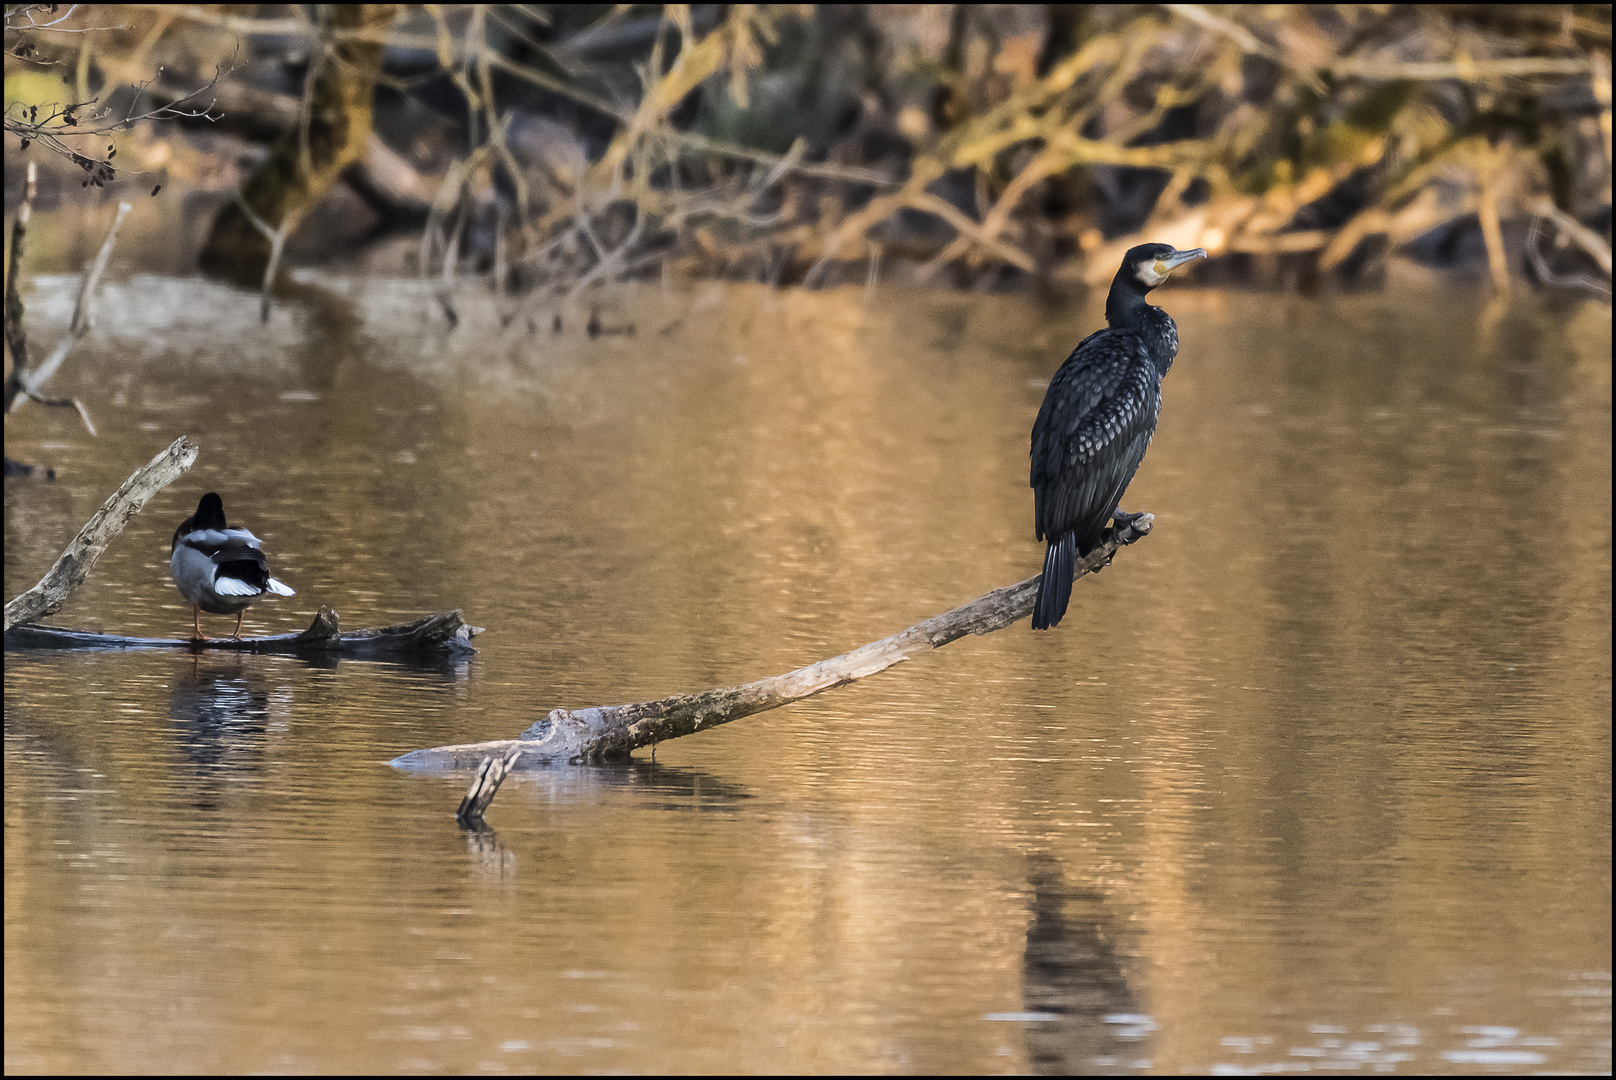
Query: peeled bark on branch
75,563
484,786
603,733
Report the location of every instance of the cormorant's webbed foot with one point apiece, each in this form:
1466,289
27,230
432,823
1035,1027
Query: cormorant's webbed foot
1128,527
1123,527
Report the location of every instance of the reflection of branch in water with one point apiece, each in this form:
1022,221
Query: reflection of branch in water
1071,973
490,858
658,787
675,788
654,787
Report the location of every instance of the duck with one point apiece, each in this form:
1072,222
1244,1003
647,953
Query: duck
218,569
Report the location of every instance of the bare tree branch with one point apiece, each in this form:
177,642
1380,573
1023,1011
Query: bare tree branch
64,122
1545,273
1575,231
610,732
24,382
16,331
84,306
79,558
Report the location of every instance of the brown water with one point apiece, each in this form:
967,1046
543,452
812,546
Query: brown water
1317,777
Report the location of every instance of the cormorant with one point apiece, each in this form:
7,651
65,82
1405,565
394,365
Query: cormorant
1096,421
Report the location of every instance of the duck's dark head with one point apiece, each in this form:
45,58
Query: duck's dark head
209,515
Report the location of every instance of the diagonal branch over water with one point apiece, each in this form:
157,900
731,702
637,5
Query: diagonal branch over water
612,732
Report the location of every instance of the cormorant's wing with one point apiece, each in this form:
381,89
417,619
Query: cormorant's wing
1092,433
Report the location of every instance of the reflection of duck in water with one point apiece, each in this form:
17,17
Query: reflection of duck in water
1096,421
220,570
222,711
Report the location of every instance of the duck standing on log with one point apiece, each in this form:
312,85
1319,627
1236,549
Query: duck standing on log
220,570
1096,422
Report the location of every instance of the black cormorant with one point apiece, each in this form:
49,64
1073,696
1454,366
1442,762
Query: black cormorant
1096,421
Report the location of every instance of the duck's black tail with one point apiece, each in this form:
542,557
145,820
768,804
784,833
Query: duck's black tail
1055,587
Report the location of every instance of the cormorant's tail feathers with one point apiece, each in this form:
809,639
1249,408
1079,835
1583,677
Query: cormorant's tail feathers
1055,587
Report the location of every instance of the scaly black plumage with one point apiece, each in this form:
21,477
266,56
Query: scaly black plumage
1096,422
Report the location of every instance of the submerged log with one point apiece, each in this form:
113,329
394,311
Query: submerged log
444,631
606,733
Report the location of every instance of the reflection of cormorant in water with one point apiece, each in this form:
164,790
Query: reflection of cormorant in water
1071,972
1096,421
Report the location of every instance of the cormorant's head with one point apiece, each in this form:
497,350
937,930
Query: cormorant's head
1148,265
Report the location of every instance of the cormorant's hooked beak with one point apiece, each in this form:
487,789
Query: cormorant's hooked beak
1172,262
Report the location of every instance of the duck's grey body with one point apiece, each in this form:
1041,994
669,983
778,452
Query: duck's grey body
218,569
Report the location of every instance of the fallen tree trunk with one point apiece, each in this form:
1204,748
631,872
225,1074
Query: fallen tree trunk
605,733
444,631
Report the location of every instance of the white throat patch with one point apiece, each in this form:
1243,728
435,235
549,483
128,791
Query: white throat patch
1151,272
